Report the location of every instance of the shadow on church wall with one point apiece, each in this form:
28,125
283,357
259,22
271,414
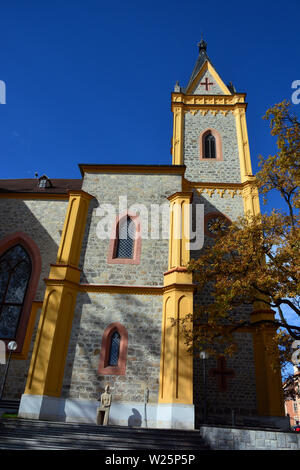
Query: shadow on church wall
135,420
42,221
220,403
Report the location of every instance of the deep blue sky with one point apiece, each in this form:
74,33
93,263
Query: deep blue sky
90,81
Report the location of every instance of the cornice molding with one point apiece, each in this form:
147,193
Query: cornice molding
208,103
142,169
222,189
118,289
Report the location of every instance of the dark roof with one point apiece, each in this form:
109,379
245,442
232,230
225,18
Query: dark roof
30,185
202,58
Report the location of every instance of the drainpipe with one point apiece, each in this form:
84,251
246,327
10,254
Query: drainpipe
146,399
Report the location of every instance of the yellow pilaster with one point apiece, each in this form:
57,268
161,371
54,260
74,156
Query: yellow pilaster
179,254
251,197
177,141
176,368
176,364
268,380
243,142
47,365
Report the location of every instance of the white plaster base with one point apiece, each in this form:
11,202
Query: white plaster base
121,413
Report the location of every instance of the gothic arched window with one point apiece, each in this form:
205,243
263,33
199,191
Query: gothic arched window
210,146
125,242
15,272
126,237
113,352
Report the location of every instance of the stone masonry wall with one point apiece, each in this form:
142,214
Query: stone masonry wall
41,220
141,315
240,395
139,189
226,171
213,89
241,392
232,438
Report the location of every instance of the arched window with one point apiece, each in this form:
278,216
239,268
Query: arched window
125,242
20,269
15,272
210,146
113,353
126,237
114,350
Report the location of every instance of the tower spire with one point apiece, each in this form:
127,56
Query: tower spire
202,44
202,58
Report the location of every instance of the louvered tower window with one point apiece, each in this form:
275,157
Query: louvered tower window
210,146
15,272
114,349
126,238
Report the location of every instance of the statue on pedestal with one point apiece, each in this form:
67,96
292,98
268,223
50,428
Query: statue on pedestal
103,409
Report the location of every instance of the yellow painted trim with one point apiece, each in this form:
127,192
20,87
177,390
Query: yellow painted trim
177,140
208,108
73,231
208,100
179,254
243,143
208,67
269,391
176,363
46,372
251,198
176,277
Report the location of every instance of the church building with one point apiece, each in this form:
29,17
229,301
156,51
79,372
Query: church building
91,304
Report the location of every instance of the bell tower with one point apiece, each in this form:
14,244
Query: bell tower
210,138
210,132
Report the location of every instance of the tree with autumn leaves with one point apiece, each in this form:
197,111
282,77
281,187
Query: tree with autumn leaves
256,260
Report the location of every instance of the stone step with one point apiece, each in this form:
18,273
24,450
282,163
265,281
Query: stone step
9,406
47,426
37,443
32,434
86,439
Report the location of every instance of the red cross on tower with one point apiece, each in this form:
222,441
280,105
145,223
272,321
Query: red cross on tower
222,373
207,84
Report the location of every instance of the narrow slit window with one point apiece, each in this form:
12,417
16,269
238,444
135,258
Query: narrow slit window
114,351
126,237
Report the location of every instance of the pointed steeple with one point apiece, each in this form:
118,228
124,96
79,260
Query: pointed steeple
202,58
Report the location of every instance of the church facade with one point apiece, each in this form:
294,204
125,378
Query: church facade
89,307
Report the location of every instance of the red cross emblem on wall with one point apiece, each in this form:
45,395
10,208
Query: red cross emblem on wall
207,84
222,373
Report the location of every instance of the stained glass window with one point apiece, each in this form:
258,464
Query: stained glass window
15,271
114,349
126,236
210,146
